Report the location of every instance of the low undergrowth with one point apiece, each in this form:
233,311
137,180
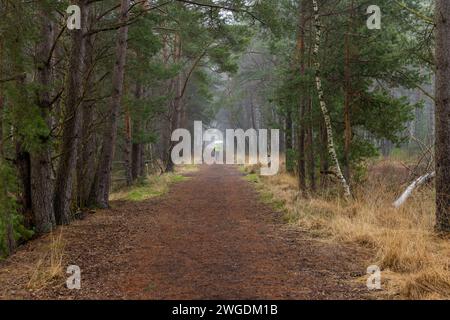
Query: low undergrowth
151,186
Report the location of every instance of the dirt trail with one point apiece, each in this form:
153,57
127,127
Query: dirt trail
208,238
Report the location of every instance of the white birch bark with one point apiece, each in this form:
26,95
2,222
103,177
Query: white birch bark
323,106
408,192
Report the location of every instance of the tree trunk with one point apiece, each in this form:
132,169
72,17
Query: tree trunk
442,115
137,146
103,180
40,158
324,155
309,148
136,162
288,139
301,149
326,116
87,144
8,218
127,151
347,106
301,164
288,121
176,105
23,165
72,126
174,125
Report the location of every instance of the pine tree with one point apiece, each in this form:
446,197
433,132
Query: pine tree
442,116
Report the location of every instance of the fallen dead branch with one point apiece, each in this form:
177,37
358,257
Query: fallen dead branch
408,192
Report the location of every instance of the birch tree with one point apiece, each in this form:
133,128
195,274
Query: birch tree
323,105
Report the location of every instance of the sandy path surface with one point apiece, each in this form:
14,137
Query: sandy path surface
208,238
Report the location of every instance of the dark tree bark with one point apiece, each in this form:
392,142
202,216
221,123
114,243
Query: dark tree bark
301,149
40,158
87,144
348,134
137,146
253,116
442,115
301,163
309,148
9,234
136,160
72,126
127,150
176,105
347,107
324,161
23,165
289,142
103,180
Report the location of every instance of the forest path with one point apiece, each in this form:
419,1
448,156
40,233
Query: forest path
208,238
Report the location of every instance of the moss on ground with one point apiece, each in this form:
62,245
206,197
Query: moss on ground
151,187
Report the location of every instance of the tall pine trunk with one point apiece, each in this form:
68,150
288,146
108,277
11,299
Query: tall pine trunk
136,161
8,218
128,149
347,107
87,144
309,148
288,121
176,105
288,139
324,155
137,146
309,143
103,180
71,132
301,163
9,234
302,148
40,157
442,115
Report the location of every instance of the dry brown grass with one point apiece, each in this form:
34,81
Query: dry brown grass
415,262
49,267
184,169
430,283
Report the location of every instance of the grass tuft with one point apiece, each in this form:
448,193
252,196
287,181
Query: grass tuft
151,187
49,267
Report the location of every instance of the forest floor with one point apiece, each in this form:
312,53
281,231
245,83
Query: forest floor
209,237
